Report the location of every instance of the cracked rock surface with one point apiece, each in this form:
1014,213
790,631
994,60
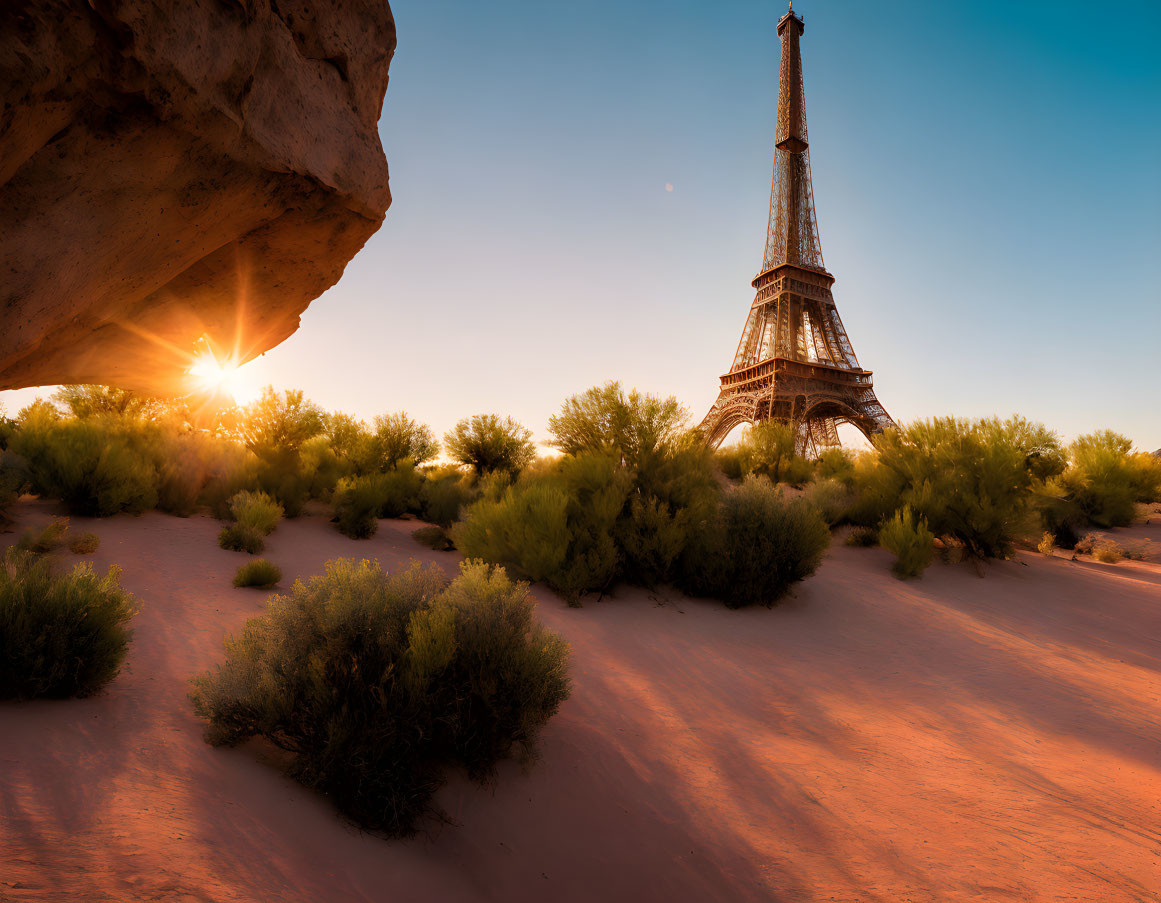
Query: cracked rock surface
173,170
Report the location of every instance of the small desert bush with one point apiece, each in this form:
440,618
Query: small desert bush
46,540
255,511
863,537
375,684
1047,545
1100,548
558,526
356,503
831,498
60,634
526,530
241,538
755,547
487,443
259,572
1108,552
911,542
443,497
401,489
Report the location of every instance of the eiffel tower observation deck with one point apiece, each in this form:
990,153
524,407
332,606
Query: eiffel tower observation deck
795,362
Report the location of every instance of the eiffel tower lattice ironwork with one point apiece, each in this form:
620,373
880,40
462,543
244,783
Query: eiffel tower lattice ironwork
794,362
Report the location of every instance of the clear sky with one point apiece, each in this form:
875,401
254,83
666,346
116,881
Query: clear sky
987,178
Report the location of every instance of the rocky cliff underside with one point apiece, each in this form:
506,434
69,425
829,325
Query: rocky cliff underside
174,170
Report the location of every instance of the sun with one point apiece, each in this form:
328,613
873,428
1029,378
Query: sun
213,376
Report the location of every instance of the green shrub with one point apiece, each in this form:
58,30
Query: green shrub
971,481
7,427
258,572
1059,515
730,460
60,634
671,490
282,474
1108,552
876,489
769,450
835,464
46,540
375,684
349,439
1145,473
320,468
635,427
255,511
241,538
443,498
357,503
182,472
279,421
755,547
401,490
13,478
94,401
85,544
668,472
398,437
909,539
557,526
1104,480
526,530
488,443
831,498
96,466
596,490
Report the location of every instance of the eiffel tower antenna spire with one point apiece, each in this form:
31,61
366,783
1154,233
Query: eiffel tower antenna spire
794,362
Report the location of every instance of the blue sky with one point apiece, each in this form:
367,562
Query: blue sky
987,179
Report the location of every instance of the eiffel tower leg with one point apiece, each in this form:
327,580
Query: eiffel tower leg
730,410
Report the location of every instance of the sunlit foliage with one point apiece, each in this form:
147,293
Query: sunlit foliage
971,481
755,546
375,684
258,573
487,443
908,537
60,634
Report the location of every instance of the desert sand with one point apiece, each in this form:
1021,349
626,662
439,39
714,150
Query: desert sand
950,738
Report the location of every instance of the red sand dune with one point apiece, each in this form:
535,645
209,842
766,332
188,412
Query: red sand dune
944,739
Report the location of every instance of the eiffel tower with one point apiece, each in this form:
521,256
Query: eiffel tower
794,362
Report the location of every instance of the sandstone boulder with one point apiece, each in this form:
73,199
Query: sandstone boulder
173,170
